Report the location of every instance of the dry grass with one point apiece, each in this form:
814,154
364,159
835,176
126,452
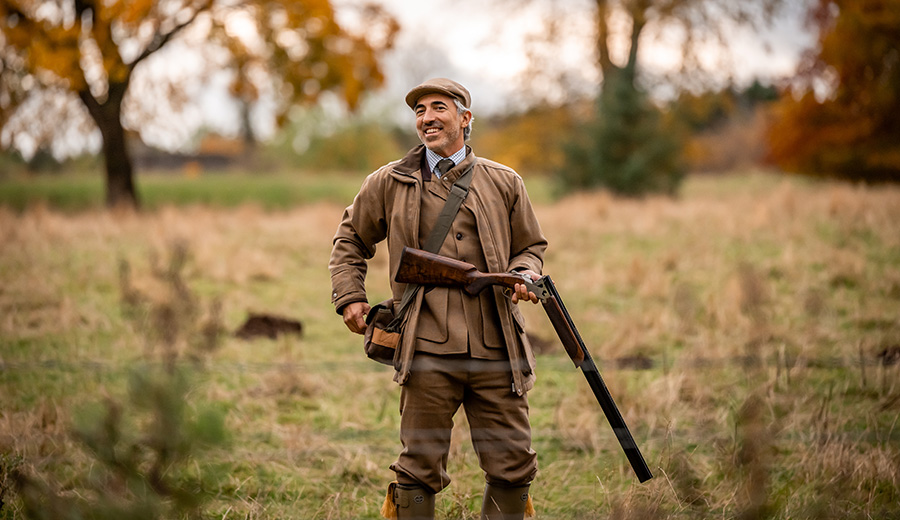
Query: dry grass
738,328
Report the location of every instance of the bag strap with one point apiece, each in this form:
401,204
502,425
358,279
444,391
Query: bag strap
458,193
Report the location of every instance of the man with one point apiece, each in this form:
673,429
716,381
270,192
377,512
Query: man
456,349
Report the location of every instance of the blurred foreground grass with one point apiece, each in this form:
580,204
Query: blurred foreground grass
749,331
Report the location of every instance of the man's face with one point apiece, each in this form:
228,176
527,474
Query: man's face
439,124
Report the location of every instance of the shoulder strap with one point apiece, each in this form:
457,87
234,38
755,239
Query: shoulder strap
458,193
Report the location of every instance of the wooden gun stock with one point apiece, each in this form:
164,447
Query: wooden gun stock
424,268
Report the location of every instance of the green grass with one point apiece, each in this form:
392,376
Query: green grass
157,189
760,302
280,190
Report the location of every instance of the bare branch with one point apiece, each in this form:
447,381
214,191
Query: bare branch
159,40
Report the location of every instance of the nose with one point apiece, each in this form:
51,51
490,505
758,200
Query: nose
428,115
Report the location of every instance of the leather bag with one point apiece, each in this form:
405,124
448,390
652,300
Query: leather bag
381,339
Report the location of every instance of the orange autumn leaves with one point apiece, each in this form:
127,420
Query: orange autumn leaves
842,117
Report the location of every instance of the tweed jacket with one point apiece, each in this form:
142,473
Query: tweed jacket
387,208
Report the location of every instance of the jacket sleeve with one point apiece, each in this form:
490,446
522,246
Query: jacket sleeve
362,226
527,241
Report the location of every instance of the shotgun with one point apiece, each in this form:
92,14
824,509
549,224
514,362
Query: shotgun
424,268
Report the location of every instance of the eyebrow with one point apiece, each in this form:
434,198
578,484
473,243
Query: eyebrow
433,103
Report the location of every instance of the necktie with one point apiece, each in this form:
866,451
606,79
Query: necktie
443,166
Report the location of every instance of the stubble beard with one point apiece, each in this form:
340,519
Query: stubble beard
447,139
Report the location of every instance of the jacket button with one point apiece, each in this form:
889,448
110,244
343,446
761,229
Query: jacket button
459,236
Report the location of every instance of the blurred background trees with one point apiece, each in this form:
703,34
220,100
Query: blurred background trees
626,148
623,95
53,52
839,115
830,117
628,145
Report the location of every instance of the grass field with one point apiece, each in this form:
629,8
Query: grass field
271,191
749,330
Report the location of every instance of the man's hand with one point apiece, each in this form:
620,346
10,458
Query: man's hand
521,292
355,316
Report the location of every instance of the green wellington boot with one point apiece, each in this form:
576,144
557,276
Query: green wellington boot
506,503
405,502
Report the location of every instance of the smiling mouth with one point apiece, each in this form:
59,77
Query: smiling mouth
432,131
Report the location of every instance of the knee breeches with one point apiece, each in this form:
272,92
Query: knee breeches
497,416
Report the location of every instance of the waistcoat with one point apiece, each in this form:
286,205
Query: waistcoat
451,321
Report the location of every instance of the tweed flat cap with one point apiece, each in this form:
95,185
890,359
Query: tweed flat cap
444,86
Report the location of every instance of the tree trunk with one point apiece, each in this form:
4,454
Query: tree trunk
638,13
638,22
120,188
249,136
604,60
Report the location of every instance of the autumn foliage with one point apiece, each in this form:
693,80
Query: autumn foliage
840,118
89,50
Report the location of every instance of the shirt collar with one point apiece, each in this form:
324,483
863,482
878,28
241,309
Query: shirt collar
433,158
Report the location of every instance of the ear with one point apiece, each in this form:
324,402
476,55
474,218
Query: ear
466,118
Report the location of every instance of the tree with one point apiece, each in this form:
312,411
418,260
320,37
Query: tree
840,117
636,151
725,129
618,31
91,49
626,148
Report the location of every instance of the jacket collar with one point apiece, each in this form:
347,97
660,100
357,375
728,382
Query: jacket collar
412,162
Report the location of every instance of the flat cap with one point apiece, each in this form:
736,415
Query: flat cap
444,86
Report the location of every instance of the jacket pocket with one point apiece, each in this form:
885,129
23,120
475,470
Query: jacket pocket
433,316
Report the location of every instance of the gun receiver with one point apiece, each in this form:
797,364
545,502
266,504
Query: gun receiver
424,268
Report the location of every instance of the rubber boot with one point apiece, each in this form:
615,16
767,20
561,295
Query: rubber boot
501,503
405,502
